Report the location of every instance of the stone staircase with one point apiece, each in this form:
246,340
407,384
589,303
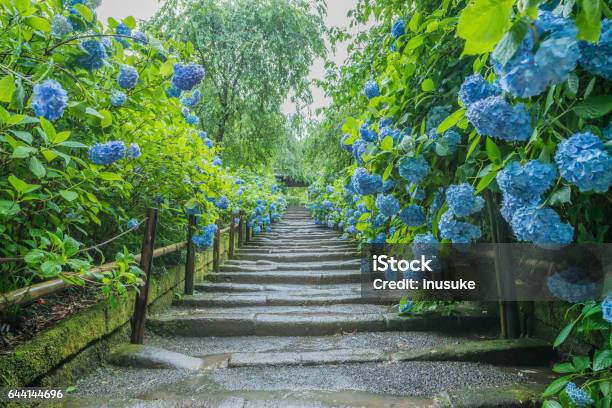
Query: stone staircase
283,324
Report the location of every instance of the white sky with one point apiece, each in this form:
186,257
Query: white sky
336,16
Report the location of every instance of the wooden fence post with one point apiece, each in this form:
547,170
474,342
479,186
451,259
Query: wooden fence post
241,231
146,261
232,232
217,248
190,263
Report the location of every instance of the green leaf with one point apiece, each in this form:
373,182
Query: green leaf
9,208
493,151
483,23
73,144
564,368
84,11
451,120
473,147
387,144
588,20
21,152
69,195
415,42
48,128
485,181
551,404
38,23
602,360
7,88
108,118
511,41
563,334
110,176
37,168
388,171
555,387
93,112
594,107
561,196
50,269
19,185
428,85
581,363
35,256
60,137
130,22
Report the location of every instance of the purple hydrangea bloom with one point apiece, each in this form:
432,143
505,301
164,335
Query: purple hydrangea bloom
462,200
61,27
128,77
413,215
413,169
583,161
118,98
475,88
371,89
133,223
578,395
495,117
398,29
107,153
49,100
188,76
133,151
388,205
542,226
364,183
597,58
458,232
528,182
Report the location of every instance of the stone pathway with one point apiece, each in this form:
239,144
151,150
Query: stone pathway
283,325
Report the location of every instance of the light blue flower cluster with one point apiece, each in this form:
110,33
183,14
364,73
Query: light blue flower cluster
190,118
597,58
475,88
606,308
398,29
542,226
107,153
536,66
61,27
578,395
458,232
364,183
583,161
413,215
133,223
450,139
140,38
223,203
206,236
95,54
49,100
118,98
435,116
133,151
389,131
217,162
572,285
381,238
388,205
495,117
128,77
173,92
462,200
191,100
527,183
388,185
358,150
124,30
413,169
329,189
427,238
371,89
186,77
367,133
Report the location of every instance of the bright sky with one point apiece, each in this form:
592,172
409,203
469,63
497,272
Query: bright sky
336,16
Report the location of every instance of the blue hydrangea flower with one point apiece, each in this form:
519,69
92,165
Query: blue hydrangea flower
597,58
128,77
510,204
427,238
475,88
346,146
140,38
192,100
223,203
190,118
388,205
358,150
186,77
367,133
379,221
217,162
381,238
458,232
133,151
385,122
122,29
435,116
417,193
327,204
173,92
398,29
193,210
606,308
208,142
95,53
413,215
107,153
413,169
578,396
205,238
529,182
352,230
388,131
450,140
583,161
118,98
462,200
329,189
388,186
371,89
49,100
133,223
542,226
405,307
572,285
61,27
495,117
364,183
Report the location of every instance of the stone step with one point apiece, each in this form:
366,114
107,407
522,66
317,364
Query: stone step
272,298
304,277
330,244
299,257
298,237
224,287
269,250
268,266
304,321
